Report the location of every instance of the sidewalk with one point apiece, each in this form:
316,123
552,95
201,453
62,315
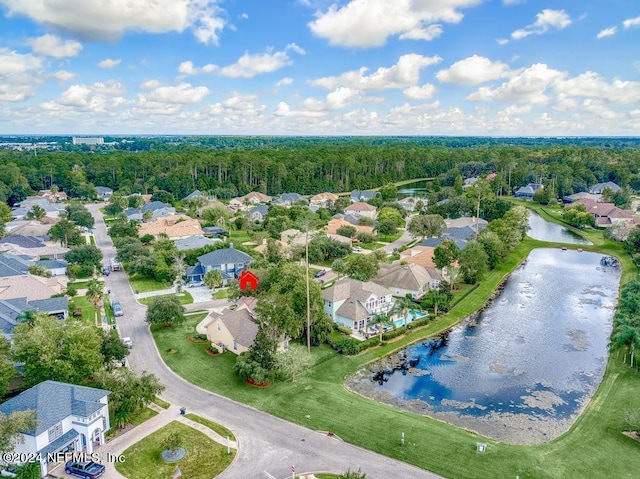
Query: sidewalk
117,446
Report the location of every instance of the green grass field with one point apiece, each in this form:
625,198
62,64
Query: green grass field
204,459
145,284
185,298
594,447
223,431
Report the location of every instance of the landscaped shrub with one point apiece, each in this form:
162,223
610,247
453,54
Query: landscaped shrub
346,345
394,333
345,330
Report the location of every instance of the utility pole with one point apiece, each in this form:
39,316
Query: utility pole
306,254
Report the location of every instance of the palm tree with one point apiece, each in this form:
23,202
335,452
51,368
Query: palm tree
403,306
28,316
626,332
94,293
381,320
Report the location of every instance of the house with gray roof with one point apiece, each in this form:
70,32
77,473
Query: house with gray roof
14,265
57,267
24,241
133,214
288,199
104,192
364,195
229,261
460,236
12,311
236,331
194,242
527,192
193,194
69,418
258,213
598,188
353,303
158,209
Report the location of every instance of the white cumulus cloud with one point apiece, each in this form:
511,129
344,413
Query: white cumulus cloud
250,65
545,20
420,92
182,93
53,46
607,32
97,97
108,63
405,73
473,70
97,19
369,23
529,86
631,22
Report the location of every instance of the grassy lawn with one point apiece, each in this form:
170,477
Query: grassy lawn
221,294
594,446
79,284
185,298
136,419
238,237
389,238
220,429
205,458
162,403
88,311
145,284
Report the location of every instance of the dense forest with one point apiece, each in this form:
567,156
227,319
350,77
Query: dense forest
230,166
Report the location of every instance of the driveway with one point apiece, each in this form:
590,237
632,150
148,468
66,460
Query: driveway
266,443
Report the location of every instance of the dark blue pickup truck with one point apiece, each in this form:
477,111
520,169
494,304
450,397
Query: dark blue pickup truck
86,470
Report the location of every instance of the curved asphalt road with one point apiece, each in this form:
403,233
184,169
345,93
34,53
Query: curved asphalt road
266,443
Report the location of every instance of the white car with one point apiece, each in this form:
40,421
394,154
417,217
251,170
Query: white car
127,341
357,249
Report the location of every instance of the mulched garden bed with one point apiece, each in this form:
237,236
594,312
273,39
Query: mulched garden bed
211,353
251,382
198,341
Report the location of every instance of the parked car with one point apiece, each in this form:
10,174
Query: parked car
106,270
9,471
127,342
320,273
357,248
195,284
86,470
117,309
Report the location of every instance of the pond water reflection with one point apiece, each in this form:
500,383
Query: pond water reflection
544,230
523,369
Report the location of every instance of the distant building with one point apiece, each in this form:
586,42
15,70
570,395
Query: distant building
528,191
598,188
88,140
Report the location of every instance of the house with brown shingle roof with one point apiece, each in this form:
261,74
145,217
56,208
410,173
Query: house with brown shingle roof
336,223
420,255
31,287
323,200
408,279
353,303
249,200
236,330
361,209
174,226
606,214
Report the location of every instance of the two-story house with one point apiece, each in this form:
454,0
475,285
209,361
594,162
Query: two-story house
323,200
70,418
361,210
353,303
229,261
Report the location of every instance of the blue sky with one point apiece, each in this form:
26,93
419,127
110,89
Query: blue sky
316,67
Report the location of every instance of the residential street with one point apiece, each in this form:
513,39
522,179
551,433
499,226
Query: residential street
266,443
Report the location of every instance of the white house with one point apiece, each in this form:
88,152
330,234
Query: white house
70,419
353,303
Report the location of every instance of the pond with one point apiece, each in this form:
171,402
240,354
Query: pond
416,190
520,371
544,230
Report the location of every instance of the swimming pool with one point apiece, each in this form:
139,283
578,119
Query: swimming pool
412,316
